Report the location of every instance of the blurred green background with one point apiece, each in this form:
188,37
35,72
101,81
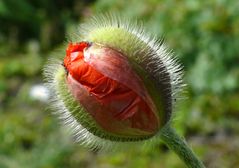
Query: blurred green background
204,36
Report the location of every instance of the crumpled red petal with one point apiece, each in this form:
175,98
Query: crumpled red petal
105,84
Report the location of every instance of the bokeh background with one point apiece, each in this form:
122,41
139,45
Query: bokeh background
204,36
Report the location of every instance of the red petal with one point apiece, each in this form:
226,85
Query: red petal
107,87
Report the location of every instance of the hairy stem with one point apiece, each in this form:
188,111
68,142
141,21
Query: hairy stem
180,147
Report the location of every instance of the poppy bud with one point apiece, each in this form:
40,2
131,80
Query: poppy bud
114,84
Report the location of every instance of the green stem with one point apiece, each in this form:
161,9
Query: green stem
180,147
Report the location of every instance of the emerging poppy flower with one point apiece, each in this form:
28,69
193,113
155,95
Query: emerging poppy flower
116,84
104,83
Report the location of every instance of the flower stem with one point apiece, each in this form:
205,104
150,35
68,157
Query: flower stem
180,147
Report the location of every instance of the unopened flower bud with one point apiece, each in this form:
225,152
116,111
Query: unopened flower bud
114,84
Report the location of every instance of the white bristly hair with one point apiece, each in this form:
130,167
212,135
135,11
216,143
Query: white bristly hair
151,54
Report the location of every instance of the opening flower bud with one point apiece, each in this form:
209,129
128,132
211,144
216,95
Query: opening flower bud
116,84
